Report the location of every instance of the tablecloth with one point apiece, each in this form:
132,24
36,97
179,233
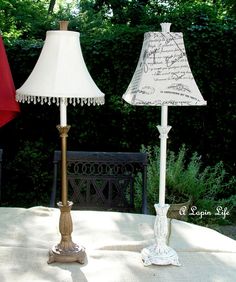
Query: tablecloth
113,242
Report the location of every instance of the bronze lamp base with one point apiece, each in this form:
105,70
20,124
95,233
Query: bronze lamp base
66,250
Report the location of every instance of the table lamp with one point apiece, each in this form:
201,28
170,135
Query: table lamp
60,76
162,78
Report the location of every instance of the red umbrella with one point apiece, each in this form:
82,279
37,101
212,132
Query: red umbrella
8,105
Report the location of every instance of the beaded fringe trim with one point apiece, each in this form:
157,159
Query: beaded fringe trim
56,100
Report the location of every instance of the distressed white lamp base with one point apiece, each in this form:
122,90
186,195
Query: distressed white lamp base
165,256
160,253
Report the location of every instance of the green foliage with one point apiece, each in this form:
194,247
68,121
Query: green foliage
111,46
28,176
183,181
22,56
186,179
25,19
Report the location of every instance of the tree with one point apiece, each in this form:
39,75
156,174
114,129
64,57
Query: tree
122,11
23,18
51,6
111,51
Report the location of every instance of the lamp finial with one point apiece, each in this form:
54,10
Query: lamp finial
165,27
63,25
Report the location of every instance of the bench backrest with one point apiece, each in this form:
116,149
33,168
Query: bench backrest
102,180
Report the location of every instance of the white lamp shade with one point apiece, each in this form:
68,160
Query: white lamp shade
60,72
163,75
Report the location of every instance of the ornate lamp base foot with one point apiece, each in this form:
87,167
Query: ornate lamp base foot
77,254
159,256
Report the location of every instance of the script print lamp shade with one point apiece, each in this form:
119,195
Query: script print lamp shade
162,78
163,75
60,76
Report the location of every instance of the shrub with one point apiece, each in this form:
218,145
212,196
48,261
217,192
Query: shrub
28,177
185,179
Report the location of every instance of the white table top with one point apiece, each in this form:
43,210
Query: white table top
113,242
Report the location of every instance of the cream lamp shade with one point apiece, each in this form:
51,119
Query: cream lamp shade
60,72
163,75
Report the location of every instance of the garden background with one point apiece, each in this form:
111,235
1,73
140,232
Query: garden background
111,39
